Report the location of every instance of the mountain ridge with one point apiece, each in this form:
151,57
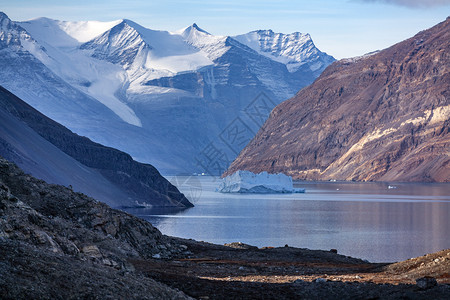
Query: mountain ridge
282,48
106,173
193,85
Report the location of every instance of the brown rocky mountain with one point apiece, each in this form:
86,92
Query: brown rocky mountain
381,117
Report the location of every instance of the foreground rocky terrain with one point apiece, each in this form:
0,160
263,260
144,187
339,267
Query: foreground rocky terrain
227,272
59,244
383,117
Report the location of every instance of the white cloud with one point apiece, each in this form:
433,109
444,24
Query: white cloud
414,3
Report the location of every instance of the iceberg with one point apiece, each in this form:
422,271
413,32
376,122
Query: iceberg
262,183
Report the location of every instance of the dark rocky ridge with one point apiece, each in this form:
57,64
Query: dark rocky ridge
141,181
383,117
59,244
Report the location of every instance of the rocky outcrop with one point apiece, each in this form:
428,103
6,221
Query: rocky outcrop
56,243
381,117
142,183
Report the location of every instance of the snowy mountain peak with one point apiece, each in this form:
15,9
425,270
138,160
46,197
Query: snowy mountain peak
120,44
5,25
11,34
195,26
3,16
194,34
293,49
213,46
270,32
185,32
146,52
140,29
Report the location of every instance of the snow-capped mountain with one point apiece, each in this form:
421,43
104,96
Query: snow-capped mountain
167,98
294,50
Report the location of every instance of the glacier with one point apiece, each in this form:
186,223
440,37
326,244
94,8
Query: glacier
171,99
263,183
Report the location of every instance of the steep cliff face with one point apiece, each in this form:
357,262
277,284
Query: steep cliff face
130,183
380,117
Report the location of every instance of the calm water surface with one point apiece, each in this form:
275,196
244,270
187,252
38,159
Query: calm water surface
365,220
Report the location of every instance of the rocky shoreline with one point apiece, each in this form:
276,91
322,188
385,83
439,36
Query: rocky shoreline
59,244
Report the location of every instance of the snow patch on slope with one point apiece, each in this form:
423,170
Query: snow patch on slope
84,31
358,58
66,33
212,46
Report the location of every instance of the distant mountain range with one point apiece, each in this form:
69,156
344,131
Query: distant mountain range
183,101
384,117
51,152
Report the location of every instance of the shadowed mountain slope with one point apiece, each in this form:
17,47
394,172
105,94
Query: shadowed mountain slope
52,152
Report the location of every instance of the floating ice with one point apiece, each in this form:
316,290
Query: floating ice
262,183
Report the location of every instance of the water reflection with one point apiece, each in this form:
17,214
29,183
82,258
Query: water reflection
365,220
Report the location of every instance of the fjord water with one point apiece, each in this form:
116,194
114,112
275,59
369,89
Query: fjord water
366,220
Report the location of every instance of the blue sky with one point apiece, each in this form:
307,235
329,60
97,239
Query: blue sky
342,28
